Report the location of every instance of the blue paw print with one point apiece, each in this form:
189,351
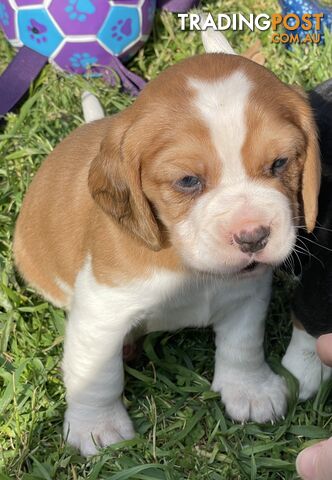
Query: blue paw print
4,17
122,28
80,9
82,60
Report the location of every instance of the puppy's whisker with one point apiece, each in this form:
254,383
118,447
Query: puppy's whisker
317,227
305,246
323,228
318,223
292,263
288,263
316,243
298,258
302,250
307,252
298,217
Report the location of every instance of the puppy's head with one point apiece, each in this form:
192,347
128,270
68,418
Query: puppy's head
217,157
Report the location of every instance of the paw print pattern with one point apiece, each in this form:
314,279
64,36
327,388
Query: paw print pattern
122,28
37,31
82,60
80,9
4,16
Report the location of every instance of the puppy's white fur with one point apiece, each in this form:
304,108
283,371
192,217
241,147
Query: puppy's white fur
166,300
302,361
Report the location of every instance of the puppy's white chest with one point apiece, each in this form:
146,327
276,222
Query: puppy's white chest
197,302
166,300
187,305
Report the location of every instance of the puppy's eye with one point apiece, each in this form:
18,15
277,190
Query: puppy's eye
189,184
278,165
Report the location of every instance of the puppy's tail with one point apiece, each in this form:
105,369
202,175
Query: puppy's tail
213,41
92,109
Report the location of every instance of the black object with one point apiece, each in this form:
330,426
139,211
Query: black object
312,302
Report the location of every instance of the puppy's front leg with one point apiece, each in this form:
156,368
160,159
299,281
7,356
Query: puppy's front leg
248,387
93,373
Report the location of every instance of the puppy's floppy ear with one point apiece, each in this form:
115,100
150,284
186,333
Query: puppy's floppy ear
115,182
311,181
311,176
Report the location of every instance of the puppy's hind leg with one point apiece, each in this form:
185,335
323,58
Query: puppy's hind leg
93,368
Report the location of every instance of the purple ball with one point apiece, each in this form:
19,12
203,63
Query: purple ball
78,34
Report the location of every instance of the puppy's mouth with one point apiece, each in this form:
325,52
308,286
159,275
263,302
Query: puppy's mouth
252,267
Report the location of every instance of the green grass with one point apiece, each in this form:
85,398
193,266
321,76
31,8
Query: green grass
182,430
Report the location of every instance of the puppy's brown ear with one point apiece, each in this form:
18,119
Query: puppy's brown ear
312,169
115,182
311,180
311,174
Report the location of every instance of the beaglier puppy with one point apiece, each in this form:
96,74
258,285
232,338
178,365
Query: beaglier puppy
312,305
170,214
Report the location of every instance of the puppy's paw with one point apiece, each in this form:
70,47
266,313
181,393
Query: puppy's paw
306,366
260,398
88,430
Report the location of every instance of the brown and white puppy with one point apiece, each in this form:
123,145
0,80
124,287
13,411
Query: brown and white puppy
170,214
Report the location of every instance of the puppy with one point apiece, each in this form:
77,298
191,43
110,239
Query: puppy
312,305
170,214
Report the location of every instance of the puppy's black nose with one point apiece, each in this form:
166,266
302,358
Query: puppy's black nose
252,240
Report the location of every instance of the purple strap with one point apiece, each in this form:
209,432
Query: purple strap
130,82
17,77
177,6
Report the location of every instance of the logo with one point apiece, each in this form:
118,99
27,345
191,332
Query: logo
310,24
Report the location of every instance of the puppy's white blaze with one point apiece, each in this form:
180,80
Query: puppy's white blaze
222,106
205,235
